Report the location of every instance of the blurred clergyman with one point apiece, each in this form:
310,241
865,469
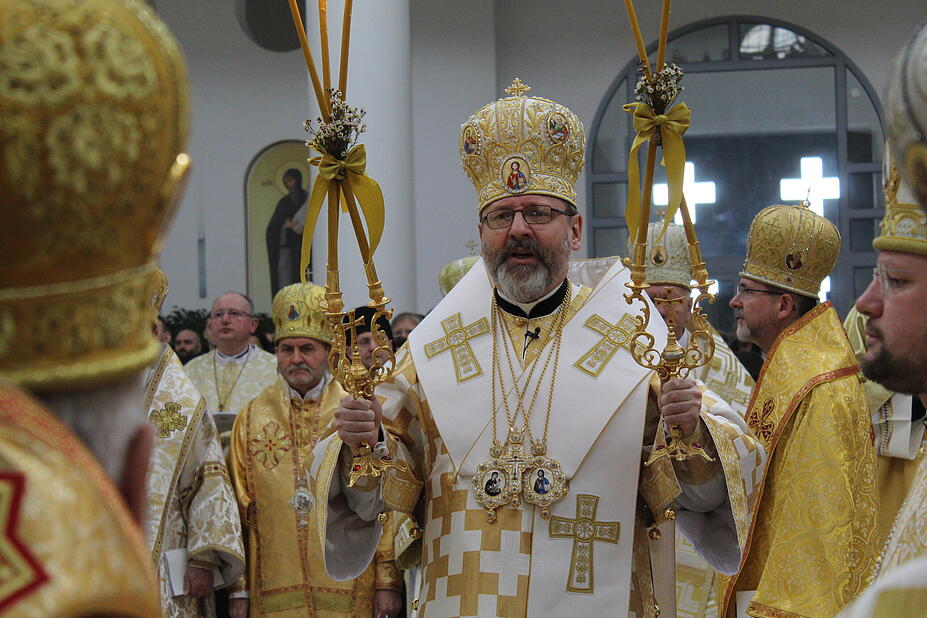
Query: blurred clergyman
75,295
187,345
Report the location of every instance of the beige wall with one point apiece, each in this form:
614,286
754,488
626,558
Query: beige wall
462,55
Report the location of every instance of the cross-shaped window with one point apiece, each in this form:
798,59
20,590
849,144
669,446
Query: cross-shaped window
695,192
811,186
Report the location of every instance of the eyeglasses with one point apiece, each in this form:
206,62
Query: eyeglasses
887,281
534,215
233,314
742,290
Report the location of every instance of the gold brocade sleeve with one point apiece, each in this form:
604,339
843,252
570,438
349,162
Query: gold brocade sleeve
388,577
236,467
816,535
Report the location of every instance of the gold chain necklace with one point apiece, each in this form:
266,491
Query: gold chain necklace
510,475
215,375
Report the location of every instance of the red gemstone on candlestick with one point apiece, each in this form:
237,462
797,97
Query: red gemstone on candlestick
356,468
696,445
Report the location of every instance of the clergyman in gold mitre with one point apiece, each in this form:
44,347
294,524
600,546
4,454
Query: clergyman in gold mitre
906,112
287,419
888,334
809,410
552,459
94,124
891,358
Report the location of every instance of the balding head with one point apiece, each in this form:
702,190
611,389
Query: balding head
232,322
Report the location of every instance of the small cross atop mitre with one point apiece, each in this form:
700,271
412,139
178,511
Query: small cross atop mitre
518,88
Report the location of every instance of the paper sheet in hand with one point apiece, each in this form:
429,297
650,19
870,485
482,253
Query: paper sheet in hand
224,421
176,560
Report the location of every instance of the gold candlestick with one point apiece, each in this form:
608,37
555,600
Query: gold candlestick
673,361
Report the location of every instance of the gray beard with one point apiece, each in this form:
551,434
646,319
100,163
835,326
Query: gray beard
524,283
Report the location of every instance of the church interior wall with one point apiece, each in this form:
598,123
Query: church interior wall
459,56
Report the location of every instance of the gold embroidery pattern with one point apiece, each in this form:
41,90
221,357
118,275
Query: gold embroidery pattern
584,530
270,445
614,336
815,506
168,419
457,339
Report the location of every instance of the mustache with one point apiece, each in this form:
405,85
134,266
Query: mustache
873,330
302,366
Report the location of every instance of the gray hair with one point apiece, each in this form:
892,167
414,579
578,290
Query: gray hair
105,419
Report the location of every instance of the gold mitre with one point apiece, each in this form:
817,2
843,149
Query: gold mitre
162,288
668,261
522,144
904,226
95,105
791,247
297,311
906,109
454,272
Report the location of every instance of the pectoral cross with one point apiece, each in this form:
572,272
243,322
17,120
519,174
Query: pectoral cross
515,460
457,339
584,530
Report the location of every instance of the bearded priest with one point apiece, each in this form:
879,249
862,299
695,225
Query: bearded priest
272,442
814,534
522,419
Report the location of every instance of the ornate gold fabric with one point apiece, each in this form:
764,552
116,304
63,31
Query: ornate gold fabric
814,534
726,376
259,373
908,538
286,574
297,312
462,553
906,111
191,503
904,226
895,435
454,272
521,144
95,104
791,247
83,538
668,260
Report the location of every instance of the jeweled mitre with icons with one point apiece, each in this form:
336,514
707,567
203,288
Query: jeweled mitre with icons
92,134
904,226
297,311
668,260
521,144
791,247
906,112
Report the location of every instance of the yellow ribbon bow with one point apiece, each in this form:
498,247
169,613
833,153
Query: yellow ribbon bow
350,174
672,126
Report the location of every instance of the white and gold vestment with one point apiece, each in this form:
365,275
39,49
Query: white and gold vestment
592,556
229,382
191,503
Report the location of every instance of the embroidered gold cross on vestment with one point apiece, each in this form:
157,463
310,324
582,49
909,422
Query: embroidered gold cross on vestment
168,419
457,339
614,336
584,530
